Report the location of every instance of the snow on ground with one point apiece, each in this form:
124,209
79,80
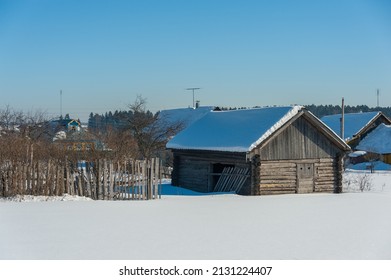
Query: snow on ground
183,225
40,198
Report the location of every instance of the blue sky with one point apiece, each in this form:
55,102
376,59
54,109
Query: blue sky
102,54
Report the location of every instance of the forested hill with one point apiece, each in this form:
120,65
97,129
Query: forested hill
324,110
120,119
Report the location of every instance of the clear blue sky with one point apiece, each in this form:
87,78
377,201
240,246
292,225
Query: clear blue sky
102,54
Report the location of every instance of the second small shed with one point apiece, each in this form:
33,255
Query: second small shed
378,142
356,125
272,150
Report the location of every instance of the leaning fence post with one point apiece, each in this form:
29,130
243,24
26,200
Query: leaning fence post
145,180
111,181
157,178
98,180
150,165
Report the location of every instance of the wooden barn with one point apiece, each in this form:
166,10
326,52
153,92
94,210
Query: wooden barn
356,125
378,142
273,150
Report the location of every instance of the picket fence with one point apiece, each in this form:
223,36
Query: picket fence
99,180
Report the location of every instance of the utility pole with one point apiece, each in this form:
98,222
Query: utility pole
378,95
193,89
60,103
343,119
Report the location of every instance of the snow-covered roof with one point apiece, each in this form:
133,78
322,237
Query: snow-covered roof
61,135
233,131
377,141
354,122
357,154
184,116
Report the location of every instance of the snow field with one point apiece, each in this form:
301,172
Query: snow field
351,225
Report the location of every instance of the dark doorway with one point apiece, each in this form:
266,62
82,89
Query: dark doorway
217,169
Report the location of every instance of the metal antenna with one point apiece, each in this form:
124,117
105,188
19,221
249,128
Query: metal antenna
193,89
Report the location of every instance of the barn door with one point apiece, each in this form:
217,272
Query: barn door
305,178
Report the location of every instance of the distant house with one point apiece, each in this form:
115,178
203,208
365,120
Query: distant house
78,140
70,134
378,142
66,124
271,150
357,125
73,125
357,157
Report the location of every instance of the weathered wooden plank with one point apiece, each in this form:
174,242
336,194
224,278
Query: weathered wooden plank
149,175
282,171
24,178
326,172
326,164
232,179
144,181
222,180
276,192
242,180
327,160
326,167
276,182
272,170
328,178
325,189
112,175
278,177
277,187
325,186
277,165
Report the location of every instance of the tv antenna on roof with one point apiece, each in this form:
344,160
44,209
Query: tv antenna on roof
193,89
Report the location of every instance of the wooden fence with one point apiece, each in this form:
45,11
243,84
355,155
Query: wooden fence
99,180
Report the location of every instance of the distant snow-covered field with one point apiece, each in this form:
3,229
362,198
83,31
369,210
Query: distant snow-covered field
186,225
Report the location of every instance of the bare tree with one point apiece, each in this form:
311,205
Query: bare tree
358,182
150,132
364,182
24,136
121,144
10,119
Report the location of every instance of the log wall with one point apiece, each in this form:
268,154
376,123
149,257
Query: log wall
281,177
301,145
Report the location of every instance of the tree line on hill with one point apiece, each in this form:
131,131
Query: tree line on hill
325,110
136,133
101,123
27,136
